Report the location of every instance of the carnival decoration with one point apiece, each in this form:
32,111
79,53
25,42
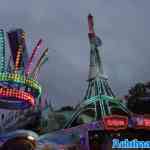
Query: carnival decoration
18,87
31,58
43,58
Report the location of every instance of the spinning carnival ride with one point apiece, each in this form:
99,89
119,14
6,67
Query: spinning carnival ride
18,87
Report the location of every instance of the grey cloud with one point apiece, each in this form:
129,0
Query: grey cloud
122,25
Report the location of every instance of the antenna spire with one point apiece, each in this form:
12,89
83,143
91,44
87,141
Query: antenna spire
91,24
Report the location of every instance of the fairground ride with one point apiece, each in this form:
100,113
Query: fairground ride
20,91
19,88
100,117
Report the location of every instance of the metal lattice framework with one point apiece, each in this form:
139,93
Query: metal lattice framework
99,95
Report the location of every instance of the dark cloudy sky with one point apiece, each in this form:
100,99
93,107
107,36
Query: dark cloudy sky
123,26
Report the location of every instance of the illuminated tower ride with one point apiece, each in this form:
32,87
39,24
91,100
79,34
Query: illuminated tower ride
99,100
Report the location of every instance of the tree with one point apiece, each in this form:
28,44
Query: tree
66,108
138,90
138,99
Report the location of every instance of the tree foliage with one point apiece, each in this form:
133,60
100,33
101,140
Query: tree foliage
138,100
66,108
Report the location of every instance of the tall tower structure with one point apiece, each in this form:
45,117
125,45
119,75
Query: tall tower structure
97,81
99,100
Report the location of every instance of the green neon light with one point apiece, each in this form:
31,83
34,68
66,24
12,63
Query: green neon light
101,97
2,51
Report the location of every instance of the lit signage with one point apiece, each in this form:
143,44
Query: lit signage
147,122
115,122
142,122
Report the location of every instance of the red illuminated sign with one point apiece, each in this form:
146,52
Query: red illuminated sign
115,122
142,122
147,122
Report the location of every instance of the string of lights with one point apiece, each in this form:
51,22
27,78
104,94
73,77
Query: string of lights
27,71
2,50
17,90
16,98
19,52
21,79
